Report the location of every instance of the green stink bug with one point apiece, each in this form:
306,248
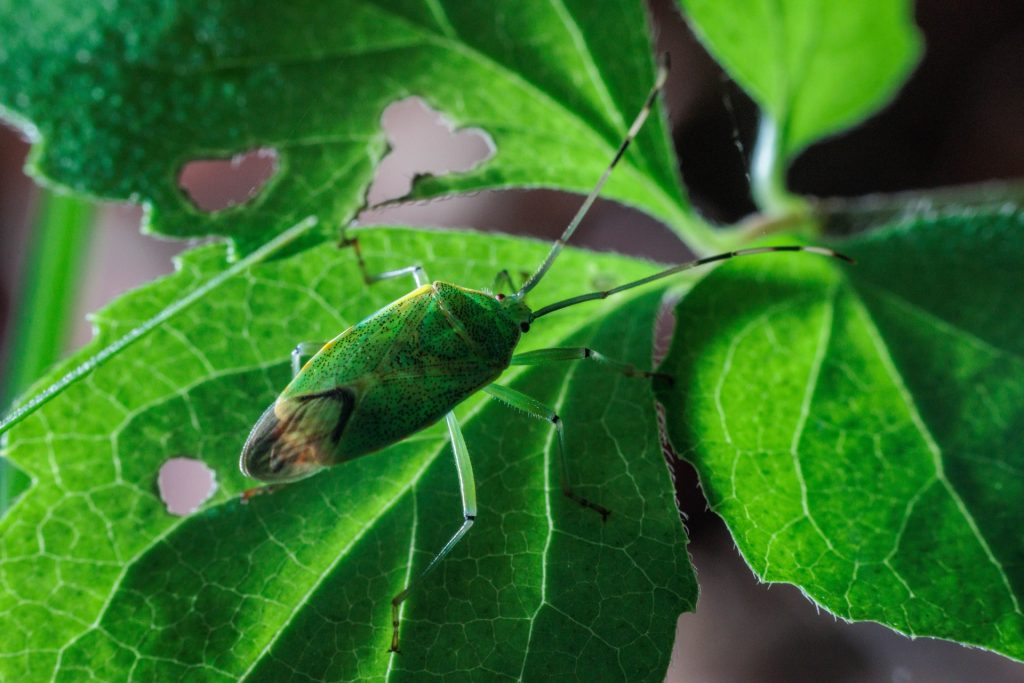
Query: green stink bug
413,361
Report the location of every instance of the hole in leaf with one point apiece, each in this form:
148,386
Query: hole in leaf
185,484
217,184
423,141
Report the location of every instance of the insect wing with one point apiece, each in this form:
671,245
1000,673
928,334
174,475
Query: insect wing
298,435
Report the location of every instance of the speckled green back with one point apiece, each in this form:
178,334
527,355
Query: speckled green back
405,366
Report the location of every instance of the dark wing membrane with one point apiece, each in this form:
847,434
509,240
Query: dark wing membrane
298,435
317,411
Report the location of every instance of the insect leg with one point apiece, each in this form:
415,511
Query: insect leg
545,356
417,272
467,489
503,277
535,408
304,350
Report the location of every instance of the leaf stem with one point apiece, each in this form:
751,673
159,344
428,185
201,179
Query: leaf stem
768,172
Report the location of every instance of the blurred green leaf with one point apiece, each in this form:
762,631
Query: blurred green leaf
98,580
858,428
851,215
814,67
121,98
56,255
43,312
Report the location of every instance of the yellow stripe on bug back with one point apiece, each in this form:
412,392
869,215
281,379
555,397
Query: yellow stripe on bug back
326,348
414,294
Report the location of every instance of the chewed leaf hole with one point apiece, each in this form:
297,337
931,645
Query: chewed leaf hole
423,141
217,184
185,484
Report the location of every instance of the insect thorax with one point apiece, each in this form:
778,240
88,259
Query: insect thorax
484,320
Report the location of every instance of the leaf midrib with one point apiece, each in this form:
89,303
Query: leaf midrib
552,434
343,554
936,451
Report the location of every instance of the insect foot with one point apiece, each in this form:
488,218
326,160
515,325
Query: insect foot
249,494
600,509
661,380
394,622
354,243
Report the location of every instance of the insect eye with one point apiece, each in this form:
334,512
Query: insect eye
499,297
525,327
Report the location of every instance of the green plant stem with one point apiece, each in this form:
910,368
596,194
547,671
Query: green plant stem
56,255
768,172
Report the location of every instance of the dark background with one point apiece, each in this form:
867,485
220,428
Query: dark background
958,120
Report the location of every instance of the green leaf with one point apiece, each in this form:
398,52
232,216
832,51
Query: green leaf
97,579
120,99
814,66
850,215
858,428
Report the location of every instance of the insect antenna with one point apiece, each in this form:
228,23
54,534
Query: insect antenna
592,296
659,83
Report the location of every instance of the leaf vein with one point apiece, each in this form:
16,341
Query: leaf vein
936,453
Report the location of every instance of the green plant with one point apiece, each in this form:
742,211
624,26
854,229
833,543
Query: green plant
854,428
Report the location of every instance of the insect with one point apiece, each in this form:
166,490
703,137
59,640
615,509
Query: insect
412,362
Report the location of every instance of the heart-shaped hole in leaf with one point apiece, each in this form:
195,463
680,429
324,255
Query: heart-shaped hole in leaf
424,141
218,184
